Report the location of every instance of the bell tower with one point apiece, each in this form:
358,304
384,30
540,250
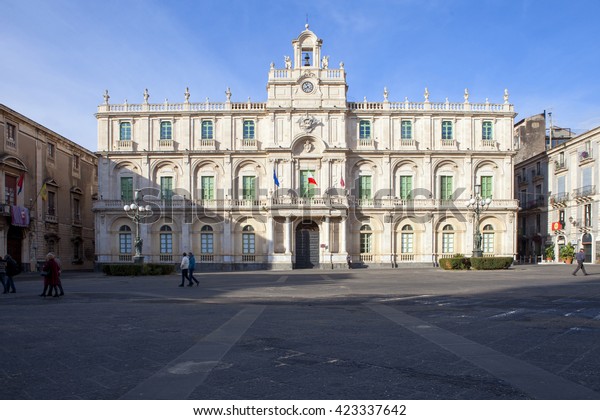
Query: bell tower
306,81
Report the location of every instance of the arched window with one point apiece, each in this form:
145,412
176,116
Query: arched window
206,240
406,240
248,240
166,240
364,129
488,239
366,239
125,240
125,131
448,239
166,130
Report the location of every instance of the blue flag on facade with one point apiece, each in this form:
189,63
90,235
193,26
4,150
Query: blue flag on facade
275,178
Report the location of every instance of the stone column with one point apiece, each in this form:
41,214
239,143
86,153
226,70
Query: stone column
343,245
288,235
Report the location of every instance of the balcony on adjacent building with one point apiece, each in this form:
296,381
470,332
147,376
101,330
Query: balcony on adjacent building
559,200
584,193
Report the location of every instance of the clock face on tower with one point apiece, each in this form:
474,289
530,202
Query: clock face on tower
307,87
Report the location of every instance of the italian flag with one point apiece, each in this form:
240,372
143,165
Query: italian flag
311,179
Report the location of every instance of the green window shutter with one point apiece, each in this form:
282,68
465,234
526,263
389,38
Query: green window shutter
208,187
127,189
166,130
248,188
486,187
406,187
447,130
125,131
406,130
248,129
446,187
486,130
364,129
364,187
166,187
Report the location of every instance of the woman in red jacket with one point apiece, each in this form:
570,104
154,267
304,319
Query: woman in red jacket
50,271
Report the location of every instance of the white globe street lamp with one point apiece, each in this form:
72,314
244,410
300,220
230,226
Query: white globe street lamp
137,212
478,205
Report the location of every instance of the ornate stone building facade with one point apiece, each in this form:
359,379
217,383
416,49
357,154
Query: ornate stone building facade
305,178
47,184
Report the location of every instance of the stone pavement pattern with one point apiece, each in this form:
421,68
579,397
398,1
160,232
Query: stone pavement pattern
532,332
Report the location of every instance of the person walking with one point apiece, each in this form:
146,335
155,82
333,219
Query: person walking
50,273
580,257
3,275
192,268
185,265
12,269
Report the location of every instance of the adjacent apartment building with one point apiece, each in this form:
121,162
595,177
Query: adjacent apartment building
47,184
304,178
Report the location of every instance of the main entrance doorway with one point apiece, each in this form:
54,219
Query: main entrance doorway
307,244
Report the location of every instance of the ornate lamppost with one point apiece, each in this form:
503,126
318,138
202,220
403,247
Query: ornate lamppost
137,212
478,205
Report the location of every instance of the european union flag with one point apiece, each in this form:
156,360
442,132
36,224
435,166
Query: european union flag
275,178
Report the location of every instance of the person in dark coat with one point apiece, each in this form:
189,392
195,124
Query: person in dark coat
580,257
12,269
3,275
51,279
191,268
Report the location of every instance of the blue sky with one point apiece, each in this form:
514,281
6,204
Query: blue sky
58,57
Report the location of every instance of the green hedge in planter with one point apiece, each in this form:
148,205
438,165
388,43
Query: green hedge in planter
491,263
455,263
137,269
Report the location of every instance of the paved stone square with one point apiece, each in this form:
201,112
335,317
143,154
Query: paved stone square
531,332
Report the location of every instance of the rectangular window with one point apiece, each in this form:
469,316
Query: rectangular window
587,215
208,187
447,133
406,243
10,189
406,187
488,243
486,186
166,187
127,189
538,168
406,130
75,162
446,187
586,177
248,243
206,243
448,243
486,130
249,187
248,129
11,132
364,128
166,130
306,189
366,243
125,243
207,130
166,243
561,185
125,131
364,187
76,210
51,150
51,203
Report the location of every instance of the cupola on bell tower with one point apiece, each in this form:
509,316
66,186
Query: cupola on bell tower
306,81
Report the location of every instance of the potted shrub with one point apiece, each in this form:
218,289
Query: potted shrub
549,253
567,253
